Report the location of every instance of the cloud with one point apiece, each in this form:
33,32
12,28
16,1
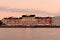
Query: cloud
21,10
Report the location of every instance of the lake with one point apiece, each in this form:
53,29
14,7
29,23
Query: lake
29,33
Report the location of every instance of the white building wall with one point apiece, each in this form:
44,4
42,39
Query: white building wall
56,21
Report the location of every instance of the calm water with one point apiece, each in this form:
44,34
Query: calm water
29,33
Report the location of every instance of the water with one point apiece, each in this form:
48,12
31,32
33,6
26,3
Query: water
29,33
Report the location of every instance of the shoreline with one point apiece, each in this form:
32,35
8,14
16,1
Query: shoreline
29,26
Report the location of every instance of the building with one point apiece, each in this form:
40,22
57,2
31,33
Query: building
27,20
11,21
56,21
44,20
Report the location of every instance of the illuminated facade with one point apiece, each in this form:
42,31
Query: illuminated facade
27,20
56,21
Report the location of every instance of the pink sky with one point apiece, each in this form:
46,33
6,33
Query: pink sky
50,6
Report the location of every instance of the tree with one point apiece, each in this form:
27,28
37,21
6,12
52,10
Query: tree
1,22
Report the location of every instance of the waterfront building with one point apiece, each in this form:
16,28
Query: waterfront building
56,21
27,20
44,20
11,21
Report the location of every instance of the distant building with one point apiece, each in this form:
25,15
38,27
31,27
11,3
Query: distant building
27,20
44,20
56,21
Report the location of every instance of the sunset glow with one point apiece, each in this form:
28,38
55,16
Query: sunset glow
50,6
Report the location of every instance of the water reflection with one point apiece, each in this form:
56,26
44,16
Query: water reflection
29,33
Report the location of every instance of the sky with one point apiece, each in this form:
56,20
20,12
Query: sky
52,7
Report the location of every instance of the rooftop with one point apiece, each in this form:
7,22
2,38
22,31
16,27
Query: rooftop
28,15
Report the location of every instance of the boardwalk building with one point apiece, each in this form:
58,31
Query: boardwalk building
27,20
56,21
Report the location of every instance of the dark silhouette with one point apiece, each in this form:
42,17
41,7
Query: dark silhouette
1,22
